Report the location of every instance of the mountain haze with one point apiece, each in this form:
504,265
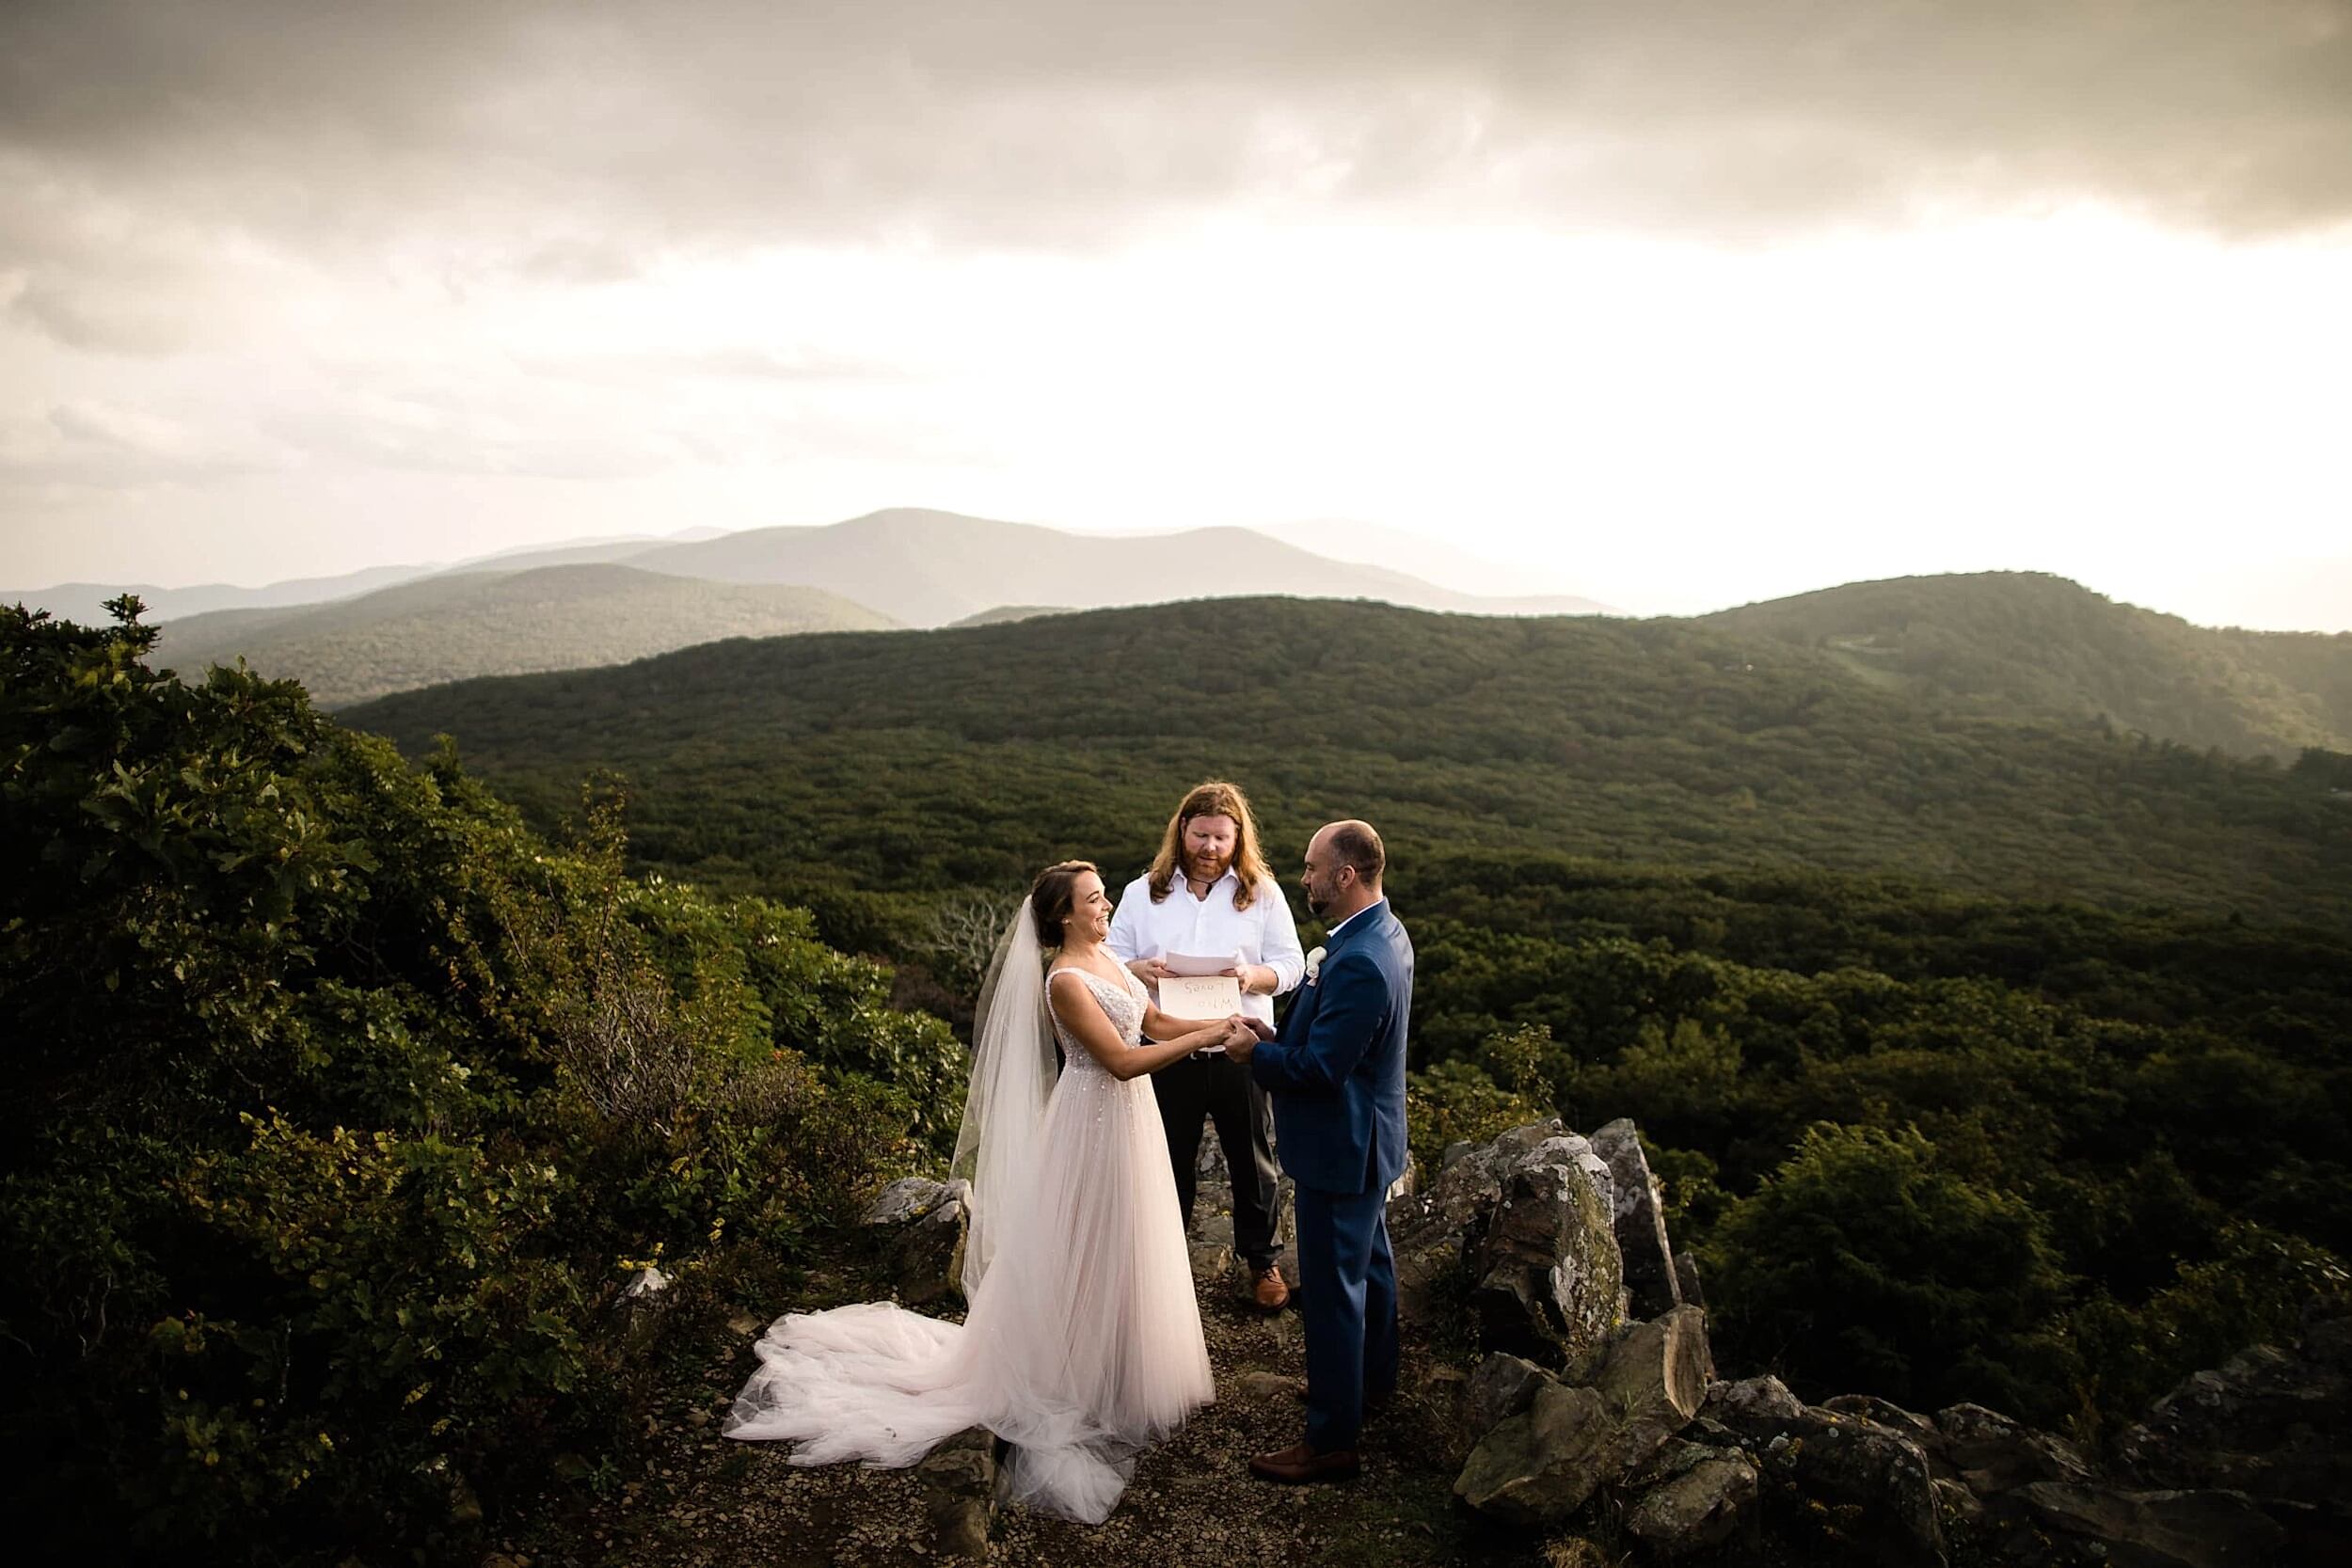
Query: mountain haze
934,568
450,628
85,601
2028,643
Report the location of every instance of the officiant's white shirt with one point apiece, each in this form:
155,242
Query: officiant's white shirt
1210,927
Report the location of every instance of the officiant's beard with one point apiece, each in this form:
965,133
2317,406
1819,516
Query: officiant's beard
1207,869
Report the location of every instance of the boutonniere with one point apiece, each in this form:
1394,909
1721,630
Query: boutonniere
1314,965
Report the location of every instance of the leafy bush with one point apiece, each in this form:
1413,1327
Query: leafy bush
1862,1262
343,1105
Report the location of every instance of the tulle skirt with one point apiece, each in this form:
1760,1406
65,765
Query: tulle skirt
1082,1345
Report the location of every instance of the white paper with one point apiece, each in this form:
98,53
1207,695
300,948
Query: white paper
1201,997
1192,963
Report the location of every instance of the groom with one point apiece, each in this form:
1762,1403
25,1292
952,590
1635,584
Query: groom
1337,1074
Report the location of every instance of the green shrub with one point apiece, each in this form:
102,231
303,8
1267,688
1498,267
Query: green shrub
345,1105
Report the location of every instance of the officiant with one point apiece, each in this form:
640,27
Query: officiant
1209,894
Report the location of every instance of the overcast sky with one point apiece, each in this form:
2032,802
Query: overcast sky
1675,304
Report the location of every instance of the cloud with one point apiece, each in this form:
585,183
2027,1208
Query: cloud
578,136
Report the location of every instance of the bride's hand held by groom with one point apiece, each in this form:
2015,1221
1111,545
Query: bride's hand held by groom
1243,1034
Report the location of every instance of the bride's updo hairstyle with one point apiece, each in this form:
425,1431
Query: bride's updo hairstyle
1051,899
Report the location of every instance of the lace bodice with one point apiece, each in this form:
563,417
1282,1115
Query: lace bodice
1122,1004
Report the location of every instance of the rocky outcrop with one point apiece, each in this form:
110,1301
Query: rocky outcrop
1541,1465
2272,1423
1551,1444
1549,1236
920,1227
1639,1217
2154,1529
959,1480
1525,1225
1653,1382
1693,1498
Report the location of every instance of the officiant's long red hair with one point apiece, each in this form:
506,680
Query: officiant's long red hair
1215,798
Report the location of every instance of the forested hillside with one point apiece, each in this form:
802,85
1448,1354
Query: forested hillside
494,622
969,756
1989,1058
1983,1058
2025,642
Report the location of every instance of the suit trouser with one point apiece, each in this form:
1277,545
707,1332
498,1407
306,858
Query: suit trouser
1347,1281
1221,1089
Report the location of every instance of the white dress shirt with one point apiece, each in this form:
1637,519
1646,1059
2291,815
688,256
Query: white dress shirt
1210,927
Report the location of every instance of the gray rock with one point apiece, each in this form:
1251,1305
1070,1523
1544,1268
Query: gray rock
2275,1423
959,1480
922,1226
1211,1262
1992,1453
1640,1219
1653,1383
1878,1473
1757,1408
908,1198
1549,1284
1958,1505
1886,1413
1687,1279
2157,1529
1445,1240
1539,1467
1502,1385
1270,1385
1698,1504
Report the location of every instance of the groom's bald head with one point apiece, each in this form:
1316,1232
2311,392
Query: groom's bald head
1354,844
1343,873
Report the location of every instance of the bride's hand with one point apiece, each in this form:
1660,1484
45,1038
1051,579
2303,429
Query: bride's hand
1240,1040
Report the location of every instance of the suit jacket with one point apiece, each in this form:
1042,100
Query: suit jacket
1337,1070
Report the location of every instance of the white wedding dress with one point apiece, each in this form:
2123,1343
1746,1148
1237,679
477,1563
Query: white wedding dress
1082,1344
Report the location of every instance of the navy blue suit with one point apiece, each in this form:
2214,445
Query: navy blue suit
1337,1076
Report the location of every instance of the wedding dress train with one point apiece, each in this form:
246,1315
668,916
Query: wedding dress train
1082,1344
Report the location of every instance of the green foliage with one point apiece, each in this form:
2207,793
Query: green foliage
1514,1078
867,764
2028,642
1864,1260
1717,877
342,1105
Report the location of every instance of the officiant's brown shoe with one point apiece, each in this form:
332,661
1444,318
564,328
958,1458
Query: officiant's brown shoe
1299,1465
1269,1290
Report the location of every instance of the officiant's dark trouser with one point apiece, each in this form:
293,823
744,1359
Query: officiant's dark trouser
1220,1088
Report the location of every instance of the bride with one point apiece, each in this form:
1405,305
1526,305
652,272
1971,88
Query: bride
1082,1344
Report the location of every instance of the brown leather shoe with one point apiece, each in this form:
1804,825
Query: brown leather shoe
1299,1465
1269,1290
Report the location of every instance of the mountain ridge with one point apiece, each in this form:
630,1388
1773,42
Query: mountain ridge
1663,742
452,627
2036,643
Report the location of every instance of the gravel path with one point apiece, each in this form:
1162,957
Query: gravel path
702,1501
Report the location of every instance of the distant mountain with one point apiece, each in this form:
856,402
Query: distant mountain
449,628
935,568
85,601
2029,644
1433,561
1005,612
